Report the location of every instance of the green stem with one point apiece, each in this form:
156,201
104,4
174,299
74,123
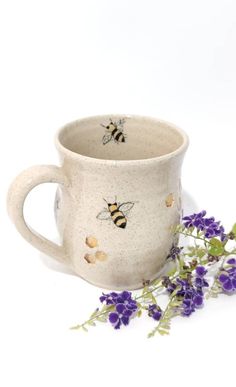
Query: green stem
195,237
225,253
150,291
93,318
156,329
159,285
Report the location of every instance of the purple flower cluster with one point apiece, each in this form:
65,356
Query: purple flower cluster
228,277
154,311
125,307
209,226
190,293
174,252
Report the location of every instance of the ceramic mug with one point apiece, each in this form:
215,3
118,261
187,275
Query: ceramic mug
118,197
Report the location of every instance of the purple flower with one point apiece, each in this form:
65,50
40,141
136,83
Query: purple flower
125,307
231,261
174,252
190,292
154,311
228,277
109,298
171,287
191,301
200,281
120,316
200,271
194,219
209,226
193,298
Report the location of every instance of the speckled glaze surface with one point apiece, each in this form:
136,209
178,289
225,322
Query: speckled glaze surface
119,195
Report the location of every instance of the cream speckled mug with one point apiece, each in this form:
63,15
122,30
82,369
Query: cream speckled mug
118,197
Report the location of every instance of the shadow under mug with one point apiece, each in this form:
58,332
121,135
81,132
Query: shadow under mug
118,198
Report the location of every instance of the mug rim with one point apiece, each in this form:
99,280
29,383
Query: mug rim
77,156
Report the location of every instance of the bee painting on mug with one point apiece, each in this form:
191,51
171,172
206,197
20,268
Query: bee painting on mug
114,131
116,212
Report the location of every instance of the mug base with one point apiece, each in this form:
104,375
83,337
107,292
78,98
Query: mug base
163,271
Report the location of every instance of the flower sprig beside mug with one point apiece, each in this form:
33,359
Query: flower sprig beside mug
188,284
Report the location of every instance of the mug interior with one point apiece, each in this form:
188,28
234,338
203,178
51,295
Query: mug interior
121,137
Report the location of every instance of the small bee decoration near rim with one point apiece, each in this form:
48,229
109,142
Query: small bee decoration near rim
116,212
114,131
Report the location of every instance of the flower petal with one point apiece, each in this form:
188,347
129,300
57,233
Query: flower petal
234,283
125,295
187,303
127,312
113,317
187,311
120,308
201,271
199,281
157,315
198,300
231,261
228,286
117,326
125,320
223,278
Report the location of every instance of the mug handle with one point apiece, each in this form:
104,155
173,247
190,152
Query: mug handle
17,194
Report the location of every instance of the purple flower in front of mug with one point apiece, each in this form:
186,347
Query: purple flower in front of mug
125,307
200,281
232,261
121,316
154,311
227,278
201,271
189,291
109,298
209,226
174,252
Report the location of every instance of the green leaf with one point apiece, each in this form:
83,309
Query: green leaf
91,323
102,318
94,313
139,313
234,229
163,331
154,301
201,252
204,261
216,247
171,272
176,303
215,290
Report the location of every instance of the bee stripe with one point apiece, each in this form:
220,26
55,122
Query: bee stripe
119,218
114,211
114,132
116,215
118,136
121,223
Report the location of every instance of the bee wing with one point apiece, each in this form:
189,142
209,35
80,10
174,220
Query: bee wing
106,138
121,121
120,124
104,215
125,207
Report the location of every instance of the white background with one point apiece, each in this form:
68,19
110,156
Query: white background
61,60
